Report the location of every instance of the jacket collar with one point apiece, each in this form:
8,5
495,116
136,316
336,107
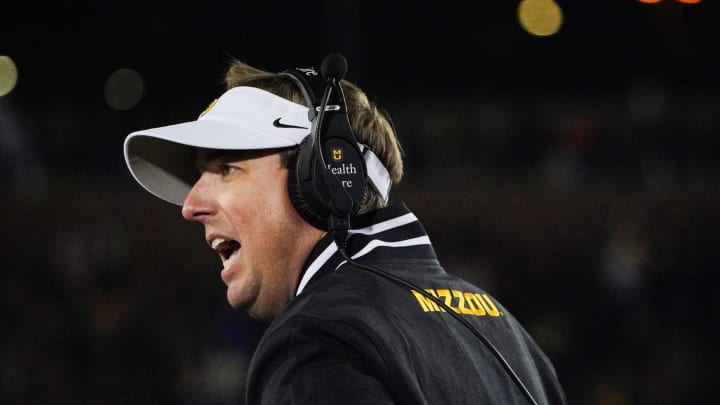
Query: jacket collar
393,227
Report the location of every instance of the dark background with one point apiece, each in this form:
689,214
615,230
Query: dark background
573,176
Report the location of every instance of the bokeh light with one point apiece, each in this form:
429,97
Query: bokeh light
8,75
540,17
124,89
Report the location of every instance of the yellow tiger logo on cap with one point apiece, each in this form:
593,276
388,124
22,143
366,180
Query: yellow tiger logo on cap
209,107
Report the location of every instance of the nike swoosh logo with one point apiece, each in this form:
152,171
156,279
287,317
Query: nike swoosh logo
278,124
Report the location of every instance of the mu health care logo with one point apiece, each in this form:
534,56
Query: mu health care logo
337,154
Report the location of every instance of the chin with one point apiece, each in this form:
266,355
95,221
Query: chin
235,302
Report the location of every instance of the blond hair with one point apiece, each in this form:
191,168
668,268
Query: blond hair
371,126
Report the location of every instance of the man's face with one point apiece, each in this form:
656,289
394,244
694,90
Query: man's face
241,198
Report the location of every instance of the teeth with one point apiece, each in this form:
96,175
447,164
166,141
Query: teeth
216,242
225,247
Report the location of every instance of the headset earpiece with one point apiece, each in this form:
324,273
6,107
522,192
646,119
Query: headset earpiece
299,198
329,178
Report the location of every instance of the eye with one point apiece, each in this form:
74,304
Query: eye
227,170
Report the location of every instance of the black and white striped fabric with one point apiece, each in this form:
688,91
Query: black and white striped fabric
376,234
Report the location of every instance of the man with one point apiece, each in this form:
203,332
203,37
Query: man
295,202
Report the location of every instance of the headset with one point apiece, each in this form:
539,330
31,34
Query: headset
330,176
329,180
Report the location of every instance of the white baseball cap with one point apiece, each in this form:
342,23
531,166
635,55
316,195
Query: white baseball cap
162,159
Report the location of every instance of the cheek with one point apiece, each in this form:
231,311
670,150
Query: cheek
258,205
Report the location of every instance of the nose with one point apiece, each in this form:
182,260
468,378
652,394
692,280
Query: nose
198,205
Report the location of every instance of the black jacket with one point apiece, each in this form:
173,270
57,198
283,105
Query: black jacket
351,336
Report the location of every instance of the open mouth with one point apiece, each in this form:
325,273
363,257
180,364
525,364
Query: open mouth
225,247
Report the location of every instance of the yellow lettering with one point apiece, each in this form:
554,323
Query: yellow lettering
425,303
445,293
434,304
468,303
461,302
488,305
475,306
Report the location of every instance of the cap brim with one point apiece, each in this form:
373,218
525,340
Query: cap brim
162,159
